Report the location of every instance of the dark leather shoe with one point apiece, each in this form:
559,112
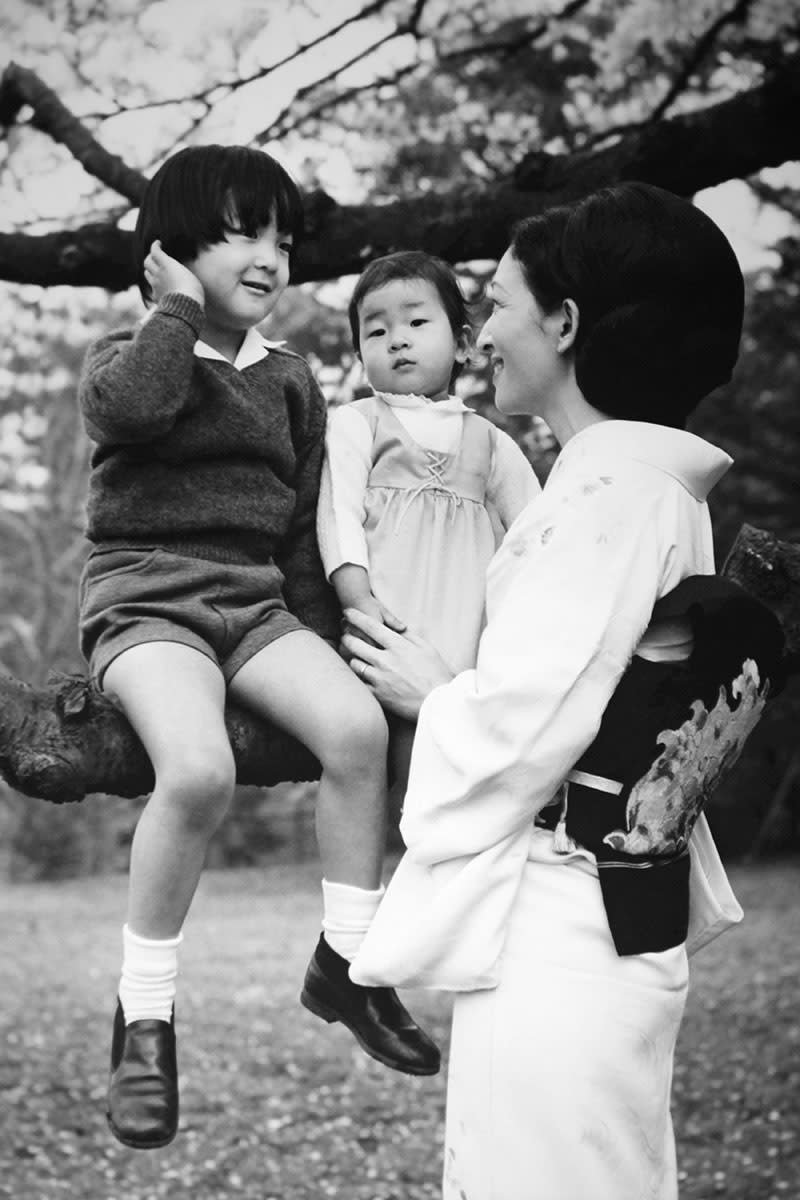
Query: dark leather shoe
374,1015
143,1088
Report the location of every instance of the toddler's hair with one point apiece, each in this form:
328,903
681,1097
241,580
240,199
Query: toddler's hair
202,192
410,265
659,291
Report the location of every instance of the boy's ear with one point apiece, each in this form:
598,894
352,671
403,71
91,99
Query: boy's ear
464,344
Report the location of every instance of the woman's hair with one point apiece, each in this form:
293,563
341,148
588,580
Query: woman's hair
410,265
659,292
202,192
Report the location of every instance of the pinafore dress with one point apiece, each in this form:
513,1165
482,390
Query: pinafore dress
429,534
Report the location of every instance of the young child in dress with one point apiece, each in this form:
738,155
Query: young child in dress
204,581
417,489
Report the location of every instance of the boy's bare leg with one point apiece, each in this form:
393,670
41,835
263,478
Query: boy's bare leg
301,684
174,697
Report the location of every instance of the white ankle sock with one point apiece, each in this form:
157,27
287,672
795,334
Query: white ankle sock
347,915
149,972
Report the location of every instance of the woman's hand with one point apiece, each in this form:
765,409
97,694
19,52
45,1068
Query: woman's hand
165,274
400,669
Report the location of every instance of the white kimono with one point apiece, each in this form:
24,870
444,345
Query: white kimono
550,1096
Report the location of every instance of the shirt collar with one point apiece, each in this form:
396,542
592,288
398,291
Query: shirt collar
411,400
254,347
696,464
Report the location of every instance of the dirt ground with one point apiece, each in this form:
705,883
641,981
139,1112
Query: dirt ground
275,1105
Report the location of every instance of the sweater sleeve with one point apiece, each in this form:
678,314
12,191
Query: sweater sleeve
512,482
308,594
134,385
340,519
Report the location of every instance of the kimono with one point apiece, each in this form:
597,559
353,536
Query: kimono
562,1044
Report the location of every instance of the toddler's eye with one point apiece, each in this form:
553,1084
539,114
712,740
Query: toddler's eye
375,333
286,247
419,321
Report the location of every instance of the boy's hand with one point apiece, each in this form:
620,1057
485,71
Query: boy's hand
165,274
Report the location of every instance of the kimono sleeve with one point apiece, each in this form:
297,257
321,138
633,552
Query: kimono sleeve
570,595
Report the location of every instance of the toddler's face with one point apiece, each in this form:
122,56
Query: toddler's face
243,277
407,345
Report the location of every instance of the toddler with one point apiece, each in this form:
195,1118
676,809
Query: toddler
417,489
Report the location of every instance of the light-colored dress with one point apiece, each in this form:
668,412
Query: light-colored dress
561,1052
420,494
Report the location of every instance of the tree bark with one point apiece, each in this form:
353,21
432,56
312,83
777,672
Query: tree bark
728,140
65,741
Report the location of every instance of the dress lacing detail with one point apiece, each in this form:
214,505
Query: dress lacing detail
436,465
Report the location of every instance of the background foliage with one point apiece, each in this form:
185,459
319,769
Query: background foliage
366,103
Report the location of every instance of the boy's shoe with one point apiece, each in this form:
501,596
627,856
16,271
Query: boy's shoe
143,1087
374,1015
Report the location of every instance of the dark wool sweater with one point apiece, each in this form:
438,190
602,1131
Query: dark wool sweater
195,456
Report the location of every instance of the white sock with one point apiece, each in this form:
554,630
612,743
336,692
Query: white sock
149,972
347,915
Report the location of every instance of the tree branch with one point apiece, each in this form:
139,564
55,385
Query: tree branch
732,139
19,86
67,740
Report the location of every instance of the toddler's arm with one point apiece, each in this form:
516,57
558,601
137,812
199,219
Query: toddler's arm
134,384
341,512
512,482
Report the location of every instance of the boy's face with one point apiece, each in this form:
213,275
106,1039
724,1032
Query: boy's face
407,344
243,278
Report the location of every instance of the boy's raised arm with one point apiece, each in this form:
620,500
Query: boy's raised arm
133,385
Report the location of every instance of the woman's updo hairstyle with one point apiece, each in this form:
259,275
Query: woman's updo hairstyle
659,291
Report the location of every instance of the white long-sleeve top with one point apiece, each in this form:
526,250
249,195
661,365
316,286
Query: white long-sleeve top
622,519
435,426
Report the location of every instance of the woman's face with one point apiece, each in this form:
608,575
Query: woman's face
521,341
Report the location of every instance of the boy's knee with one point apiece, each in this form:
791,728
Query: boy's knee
200,786
361,739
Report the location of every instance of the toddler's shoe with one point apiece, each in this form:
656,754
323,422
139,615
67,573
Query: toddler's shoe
143,1087
374,1015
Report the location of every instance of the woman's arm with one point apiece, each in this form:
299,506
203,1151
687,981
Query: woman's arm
571,592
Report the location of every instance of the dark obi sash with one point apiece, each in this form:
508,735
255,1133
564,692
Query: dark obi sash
670,734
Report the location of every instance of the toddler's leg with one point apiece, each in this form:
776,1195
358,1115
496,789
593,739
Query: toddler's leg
401,742
174,697
302,685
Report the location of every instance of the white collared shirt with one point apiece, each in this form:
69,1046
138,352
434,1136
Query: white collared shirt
254,347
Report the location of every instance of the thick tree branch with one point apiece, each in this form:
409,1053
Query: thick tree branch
728,140
67,740
18,87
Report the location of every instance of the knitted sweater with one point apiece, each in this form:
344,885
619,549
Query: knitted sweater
195,456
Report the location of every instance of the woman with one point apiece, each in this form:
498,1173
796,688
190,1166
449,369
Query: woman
611,319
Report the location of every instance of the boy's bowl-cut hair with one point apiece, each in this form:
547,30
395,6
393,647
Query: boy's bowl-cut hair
191,200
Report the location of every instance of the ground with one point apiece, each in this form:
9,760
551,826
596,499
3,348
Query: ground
278,1106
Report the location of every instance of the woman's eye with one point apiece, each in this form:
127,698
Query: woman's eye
286,247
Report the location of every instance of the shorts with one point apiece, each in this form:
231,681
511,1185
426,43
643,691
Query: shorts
227,611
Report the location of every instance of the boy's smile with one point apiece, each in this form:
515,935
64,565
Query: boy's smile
243,278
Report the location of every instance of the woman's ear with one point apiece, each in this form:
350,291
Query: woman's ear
568,331
464,344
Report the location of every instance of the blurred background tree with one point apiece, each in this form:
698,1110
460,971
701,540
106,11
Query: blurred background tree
408,123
